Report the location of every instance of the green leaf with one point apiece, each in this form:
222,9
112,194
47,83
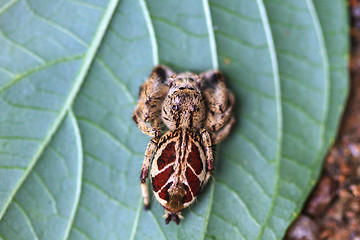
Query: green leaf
284,61
45,205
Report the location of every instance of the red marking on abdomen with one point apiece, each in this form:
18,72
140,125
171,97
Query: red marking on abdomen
194,159
160,179
187,197
164,194
167,156
193,181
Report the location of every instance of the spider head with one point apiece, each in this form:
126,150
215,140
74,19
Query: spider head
183,81
184,105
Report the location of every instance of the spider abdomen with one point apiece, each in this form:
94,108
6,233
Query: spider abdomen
178,170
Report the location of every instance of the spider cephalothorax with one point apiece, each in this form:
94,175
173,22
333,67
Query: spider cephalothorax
197,111
184,105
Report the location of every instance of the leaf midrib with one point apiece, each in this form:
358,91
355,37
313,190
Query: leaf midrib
215,63
155,52
80,156
88,60
325,61
316,24
215,66
276,77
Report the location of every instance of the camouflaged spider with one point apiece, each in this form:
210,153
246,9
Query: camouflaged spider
197,111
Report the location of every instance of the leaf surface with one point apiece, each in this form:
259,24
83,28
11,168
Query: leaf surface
45,205
284,62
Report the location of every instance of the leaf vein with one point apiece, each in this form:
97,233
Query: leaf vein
298,57
117,80
136,220
151,31
256,181
81,232
103,106
302,140
86,209
7,71
105,131
287,76
157,224
234,13
21,138
19,77
240,41
273,56
57,26
89,57
171,24
79,175
22,210
301,110
105,194
12,167
229,223
254,146
212,41
32,54
325,67
89,155
7,6
208,211
47,190
297,162
87,4
32,108
295,185
258,127
241,201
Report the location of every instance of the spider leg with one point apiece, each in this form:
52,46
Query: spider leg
209,153
145,171
151,96
142,121
220,135
216,119
220,102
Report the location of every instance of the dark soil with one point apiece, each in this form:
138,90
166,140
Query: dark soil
333,209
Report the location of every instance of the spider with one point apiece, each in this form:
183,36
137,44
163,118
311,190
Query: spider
197,113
